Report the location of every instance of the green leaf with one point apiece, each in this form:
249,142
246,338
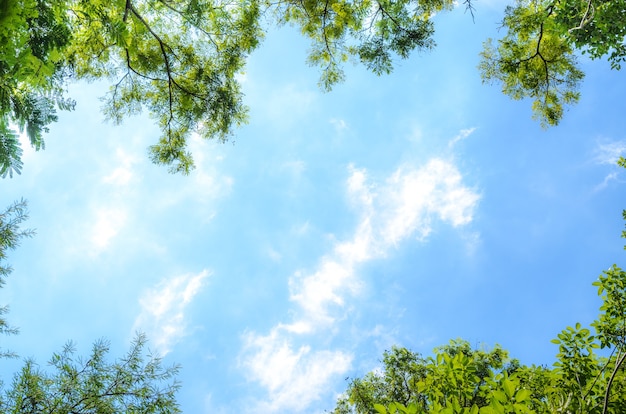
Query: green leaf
522,395
380,408
509,387
500,396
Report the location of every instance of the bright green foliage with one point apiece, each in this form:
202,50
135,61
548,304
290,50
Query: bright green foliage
459,380
456,379
177,59
595,27
578,372
33,34
536,58
10,236
370,30
134,384
611,330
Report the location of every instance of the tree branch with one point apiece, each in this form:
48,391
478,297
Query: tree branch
620,361
586,18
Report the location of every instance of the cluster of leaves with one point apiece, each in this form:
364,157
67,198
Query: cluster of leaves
373,31
10,236
457,379
462,380
33,34
129,385
596,28
456,376
537,56
178,59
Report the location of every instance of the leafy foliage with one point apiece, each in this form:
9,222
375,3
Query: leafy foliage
536,58
178,59
372,31
10,236
595,27
33,34
455,380
129,385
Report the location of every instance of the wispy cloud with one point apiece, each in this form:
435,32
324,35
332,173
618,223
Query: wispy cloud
107,224
612,176
123,173
464,133
339,124
413,197
163,309
609,152
294,378
112,208
403,206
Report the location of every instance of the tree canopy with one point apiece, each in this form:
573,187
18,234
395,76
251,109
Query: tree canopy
132,384
459,379
179,59
537,58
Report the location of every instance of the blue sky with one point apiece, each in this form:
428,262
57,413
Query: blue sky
405,210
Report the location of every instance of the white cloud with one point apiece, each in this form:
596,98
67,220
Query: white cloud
107,211
107,224
403,206
111,215
163,309
413,196
294,378
123,173
464,133
119,176
208,183
122,204
609,152
613,176
273,254
339,124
